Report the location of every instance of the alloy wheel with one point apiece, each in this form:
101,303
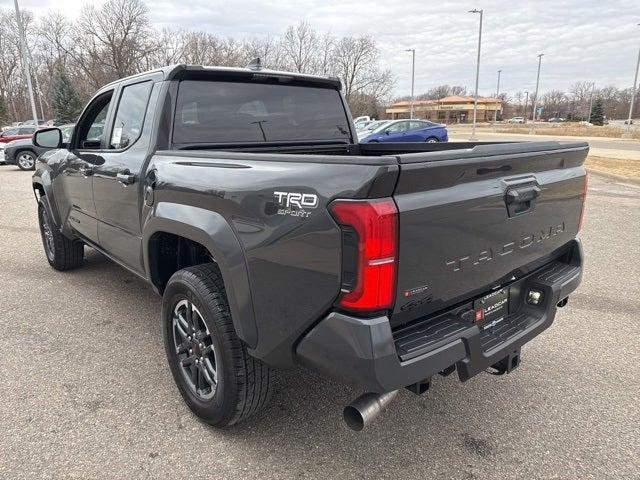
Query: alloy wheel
26,161
197,358
47,235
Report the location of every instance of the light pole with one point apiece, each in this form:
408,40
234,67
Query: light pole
535,100
495,114
526,102
475,97
593,86
627,134
25,62
413,75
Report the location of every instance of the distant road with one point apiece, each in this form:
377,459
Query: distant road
600,146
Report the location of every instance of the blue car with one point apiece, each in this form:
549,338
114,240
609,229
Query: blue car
405,131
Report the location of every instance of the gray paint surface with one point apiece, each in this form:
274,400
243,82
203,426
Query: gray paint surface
83,400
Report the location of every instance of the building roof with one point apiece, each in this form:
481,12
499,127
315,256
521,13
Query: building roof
449,99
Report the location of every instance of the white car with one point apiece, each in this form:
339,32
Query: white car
516,120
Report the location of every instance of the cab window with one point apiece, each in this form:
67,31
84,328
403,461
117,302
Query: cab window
127,126
91,125
398,127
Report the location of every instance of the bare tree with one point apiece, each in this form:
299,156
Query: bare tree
356,63
300,45
111,41
555,103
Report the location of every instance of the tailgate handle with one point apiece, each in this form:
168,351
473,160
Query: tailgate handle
521,199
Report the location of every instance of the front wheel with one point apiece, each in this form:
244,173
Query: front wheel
26,160
432,140
217,378
62,252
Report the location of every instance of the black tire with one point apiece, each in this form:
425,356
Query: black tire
432,140
26,160
243,383
62,253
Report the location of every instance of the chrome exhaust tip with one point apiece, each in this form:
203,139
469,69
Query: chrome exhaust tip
365,409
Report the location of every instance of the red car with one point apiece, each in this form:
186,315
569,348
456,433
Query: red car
16,133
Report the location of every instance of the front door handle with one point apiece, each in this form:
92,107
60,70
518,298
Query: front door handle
125,177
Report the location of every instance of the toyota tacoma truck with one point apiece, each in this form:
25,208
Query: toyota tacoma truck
275,239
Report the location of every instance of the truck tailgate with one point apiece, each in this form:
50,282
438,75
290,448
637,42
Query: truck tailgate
474,219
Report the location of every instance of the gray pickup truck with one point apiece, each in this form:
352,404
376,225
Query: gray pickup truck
275,239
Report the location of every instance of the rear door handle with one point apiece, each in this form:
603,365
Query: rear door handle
125,177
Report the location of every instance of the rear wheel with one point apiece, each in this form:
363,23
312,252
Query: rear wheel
217,378
432,140
62,253
26,160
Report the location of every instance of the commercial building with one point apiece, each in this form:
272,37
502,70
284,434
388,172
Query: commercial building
452,109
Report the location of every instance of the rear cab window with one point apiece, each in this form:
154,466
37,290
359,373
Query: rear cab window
132,107
222,112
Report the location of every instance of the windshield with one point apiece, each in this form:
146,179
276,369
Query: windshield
235,112
381,126
375,125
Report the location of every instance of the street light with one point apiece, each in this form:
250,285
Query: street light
593,86
495,114
25,62
526,103
475,98
633,98
413,74
535,100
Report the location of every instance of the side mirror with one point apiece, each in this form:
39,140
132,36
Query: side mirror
48,138
387,132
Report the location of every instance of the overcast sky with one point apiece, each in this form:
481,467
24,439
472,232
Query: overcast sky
593,40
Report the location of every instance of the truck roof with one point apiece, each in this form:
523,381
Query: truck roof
172,72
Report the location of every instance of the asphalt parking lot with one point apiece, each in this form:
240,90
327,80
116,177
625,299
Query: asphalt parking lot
85,392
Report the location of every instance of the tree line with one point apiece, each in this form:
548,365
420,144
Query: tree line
608,101
71,59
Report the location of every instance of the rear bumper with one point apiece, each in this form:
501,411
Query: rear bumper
367,353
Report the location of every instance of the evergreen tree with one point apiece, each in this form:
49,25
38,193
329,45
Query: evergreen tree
4,113
65,101
597,113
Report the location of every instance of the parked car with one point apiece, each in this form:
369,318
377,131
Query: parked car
406,131
17,133
516,120
276,240
363,118
628,122
364,124
31,122
24,153
556,120
370,126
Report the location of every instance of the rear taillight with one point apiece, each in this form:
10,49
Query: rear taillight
370,232
584,200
